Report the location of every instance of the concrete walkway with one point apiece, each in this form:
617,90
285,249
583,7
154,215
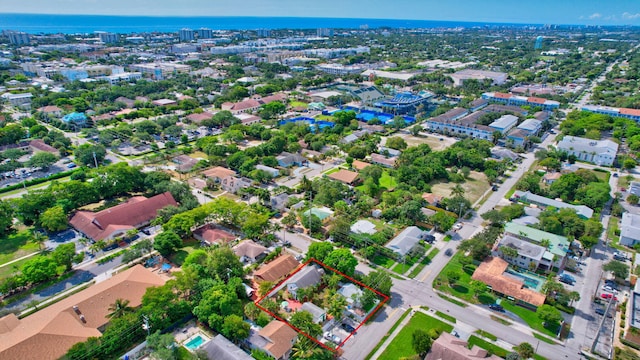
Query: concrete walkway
19,259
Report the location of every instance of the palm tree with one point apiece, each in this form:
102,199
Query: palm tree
573,296
305,349
119,308
38,238
457,190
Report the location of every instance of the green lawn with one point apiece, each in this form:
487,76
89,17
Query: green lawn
489,336
383,261
16,246
297,103
425,261
324,117
461,288
388,181
446,316
530,317
8,270
400,346
493,349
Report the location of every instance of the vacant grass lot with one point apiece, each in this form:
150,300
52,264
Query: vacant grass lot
475,186
16,245
432,140
383,261
400,347
530,317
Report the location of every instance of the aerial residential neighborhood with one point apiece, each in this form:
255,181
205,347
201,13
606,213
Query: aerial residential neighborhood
259,185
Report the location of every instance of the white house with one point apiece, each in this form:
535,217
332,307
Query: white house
630,229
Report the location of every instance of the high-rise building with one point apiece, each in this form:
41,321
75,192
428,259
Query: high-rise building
324,32
186,35
107,37
18,38
204,33
263,32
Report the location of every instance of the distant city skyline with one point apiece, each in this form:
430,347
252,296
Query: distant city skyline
583,12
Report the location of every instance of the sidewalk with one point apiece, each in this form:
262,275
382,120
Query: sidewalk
21,258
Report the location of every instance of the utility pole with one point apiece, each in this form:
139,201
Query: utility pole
95,161
145,325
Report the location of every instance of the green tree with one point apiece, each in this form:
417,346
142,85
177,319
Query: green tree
525,350
379,280
54,219
38,238
264,288
223,264
441,221
319,250
42,160
162,346
38,269
85,154
342,260
167,242
549,315
337,304
619,269
633,199
396,142
119,308
311,222
290,220
421,342
64,254
303,320
6,217
235,328
452,277
478,287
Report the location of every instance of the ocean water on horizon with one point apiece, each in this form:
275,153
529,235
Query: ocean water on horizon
72,24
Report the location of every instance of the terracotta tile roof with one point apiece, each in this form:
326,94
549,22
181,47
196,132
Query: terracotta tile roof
280,336
136,212
245,104
198,118
38,144
218,173
210,234
249,249
449,347
345,176
359,165
50,332
627,111
431,198
381,159
277,269
491,272
536,100
500,95
551,176
49,109
274,97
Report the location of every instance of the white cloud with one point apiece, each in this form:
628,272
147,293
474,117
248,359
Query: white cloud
630,16
595,16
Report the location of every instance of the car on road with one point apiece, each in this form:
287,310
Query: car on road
448,252
615,174
455,333
348,328
496,307
608,296
494,188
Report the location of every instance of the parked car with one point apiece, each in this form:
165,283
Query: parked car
348,328
609,288
608,296
429,238
457,226
71,166
455,333
496,307
600,310
494,188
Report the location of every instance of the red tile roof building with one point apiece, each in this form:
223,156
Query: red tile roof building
115,221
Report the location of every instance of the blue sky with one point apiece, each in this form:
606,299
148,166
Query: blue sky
592,12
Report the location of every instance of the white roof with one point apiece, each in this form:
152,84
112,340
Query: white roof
389,74
588,145
630,226
530,125
363,227
504,122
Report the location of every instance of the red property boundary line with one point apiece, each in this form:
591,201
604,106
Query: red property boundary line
384,297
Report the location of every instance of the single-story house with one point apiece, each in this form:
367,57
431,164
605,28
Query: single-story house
630,229
344,176
273,172
450,347
528,197
51,331
276,339
209,234
363,227
319,314
276,269
37,145
220,348
197,118
550,178
359,165
164,102
491,272
352,293
383,160
286,159
311,275
280,201
51,111
234,183
185,163
249,251
115,221
406,241
431,198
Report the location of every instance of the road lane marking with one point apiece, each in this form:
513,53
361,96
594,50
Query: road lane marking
425,276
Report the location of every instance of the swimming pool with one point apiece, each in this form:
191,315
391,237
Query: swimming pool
322,213
195,342
531,281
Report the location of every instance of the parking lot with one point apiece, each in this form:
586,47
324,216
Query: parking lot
26,174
